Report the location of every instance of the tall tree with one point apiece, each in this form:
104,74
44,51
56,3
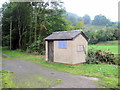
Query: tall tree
87,19
23,16
19,15
80,25
8,20
73,18
101,20
31,23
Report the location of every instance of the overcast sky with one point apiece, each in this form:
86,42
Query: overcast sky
109,8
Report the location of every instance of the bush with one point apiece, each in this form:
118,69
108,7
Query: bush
37,47
91,57
99,57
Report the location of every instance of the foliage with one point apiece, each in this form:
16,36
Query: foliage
36,47
98,19
31,23
73,18
79,25
105,34
99,57
101,20
19,14
69,26
108,79
87,19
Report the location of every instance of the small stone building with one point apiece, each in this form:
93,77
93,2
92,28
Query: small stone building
68,47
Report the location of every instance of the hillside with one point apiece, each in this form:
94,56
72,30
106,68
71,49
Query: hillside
93,27
72,17
88,23
97,27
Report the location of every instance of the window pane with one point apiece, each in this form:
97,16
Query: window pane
62,44
59,44
80,48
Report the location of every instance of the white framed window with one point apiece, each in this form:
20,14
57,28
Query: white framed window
80,48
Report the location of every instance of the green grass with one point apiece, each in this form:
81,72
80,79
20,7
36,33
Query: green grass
35,81
108,43
108,73
3,71
28,81
7,81
111,48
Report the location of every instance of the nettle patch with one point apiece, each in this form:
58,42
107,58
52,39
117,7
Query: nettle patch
101,57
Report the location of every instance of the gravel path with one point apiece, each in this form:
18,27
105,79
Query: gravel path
68,80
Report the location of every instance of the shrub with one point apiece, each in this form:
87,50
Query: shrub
91,57
37,47
99,57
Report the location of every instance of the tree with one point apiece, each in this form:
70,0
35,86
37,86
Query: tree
87,19
73,18
16,17
80,24
104,34
80,18
22,12
31,23
101,20
7,20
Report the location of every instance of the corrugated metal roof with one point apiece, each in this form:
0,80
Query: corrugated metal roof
63,35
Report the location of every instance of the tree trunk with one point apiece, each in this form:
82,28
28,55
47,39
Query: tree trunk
19,36
36,14
20,42
35,33
10,35
35,36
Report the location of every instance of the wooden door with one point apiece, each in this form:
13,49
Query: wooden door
50,51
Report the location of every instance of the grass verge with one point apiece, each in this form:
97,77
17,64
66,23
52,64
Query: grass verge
108,73
9,80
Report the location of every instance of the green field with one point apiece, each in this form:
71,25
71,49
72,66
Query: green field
108,43
111,48
107,73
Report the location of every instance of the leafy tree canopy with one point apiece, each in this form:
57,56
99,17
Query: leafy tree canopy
101,20
87,19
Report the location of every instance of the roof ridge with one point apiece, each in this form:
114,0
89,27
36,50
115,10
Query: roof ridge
68,31
65,35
